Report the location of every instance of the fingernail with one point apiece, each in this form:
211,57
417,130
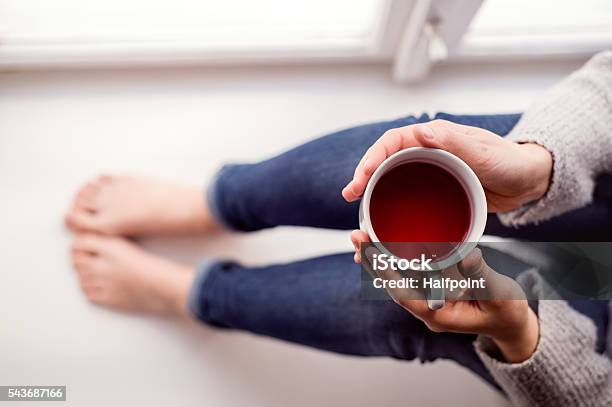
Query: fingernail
427,132
365,163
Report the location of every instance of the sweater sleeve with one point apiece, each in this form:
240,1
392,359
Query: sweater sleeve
574,122
565,369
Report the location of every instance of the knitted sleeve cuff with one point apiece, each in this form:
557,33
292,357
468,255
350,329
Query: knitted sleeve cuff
573,121
564,369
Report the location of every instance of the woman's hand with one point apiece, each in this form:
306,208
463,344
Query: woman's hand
499,311
512,174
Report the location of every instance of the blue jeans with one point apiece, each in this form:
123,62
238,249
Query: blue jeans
316,302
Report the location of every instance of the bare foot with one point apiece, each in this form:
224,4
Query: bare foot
116,273
138,206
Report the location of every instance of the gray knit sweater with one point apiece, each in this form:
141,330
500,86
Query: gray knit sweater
574,122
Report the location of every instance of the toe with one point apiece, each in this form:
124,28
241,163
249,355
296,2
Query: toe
84,261
85,264
79,219
87,243
87,196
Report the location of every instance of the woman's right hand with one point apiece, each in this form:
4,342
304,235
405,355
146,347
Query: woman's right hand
512,174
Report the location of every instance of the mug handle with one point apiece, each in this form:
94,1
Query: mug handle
435,296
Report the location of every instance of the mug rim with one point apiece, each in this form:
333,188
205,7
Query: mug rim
468,180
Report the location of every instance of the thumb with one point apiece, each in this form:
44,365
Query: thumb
495,286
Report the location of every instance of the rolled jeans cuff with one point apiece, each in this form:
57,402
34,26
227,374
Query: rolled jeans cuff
196,301
213,196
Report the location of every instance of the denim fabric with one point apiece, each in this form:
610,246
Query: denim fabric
301,187
316,302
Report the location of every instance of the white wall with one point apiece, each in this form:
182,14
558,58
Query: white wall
59,129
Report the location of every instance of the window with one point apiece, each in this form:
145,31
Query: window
410,35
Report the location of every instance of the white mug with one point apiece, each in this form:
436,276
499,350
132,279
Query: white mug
471,185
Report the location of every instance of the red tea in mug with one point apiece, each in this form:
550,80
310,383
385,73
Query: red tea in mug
420,202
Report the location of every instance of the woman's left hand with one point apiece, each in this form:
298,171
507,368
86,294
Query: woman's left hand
511,174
